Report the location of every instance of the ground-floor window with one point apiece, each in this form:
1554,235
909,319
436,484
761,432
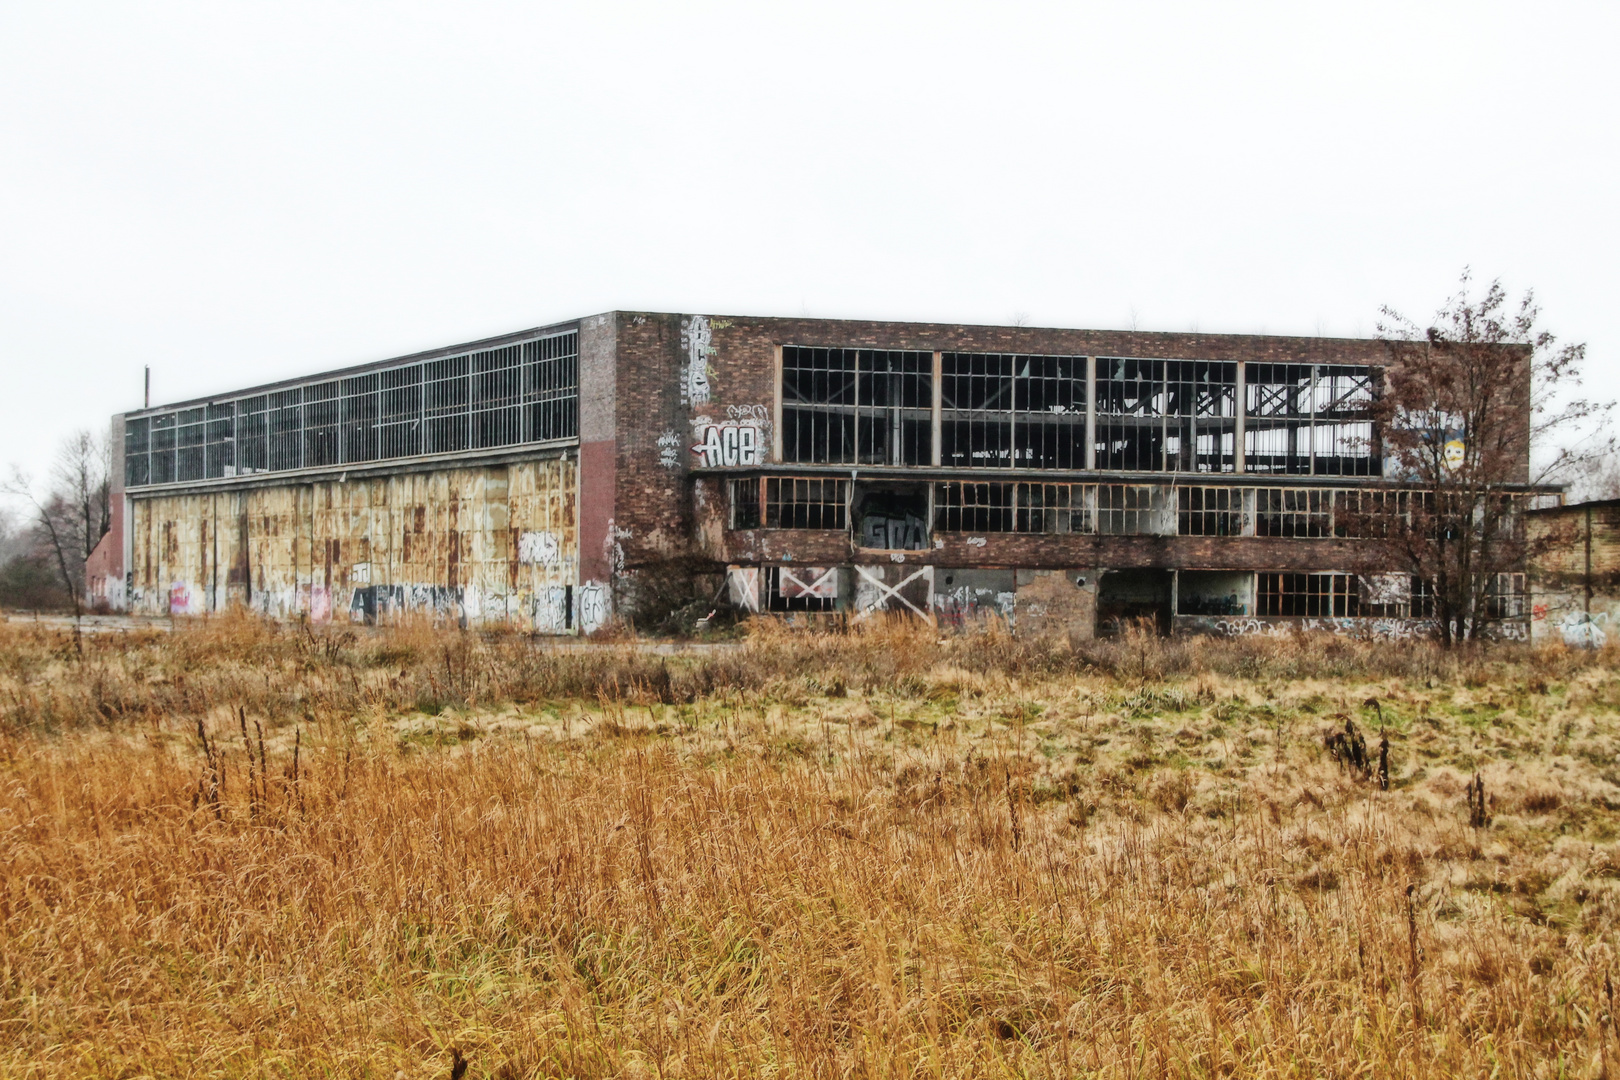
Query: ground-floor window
1331,595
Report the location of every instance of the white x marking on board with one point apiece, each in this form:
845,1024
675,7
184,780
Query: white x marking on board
885,591
813,587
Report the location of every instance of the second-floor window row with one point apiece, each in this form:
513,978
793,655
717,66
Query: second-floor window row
880,407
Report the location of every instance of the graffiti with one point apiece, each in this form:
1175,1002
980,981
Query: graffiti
956,606
906,532
1583,631
538,549
728,443
1372,629
669,450
360,573
976,541
1538,612
179,598
698,341
551,610
593,606
320,603
749,414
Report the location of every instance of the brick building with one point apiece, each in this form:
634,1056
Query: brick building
1064,478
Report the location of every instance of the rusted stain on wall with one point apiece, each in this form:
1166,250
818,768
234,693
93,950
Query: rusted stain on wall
445,542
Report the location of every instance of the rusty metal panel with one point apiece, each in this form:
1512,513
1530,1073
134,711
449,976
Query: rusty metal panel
477,545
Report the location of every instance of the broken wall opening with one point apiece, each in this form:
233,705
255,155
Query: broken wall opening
1126,596
1215,592
891,517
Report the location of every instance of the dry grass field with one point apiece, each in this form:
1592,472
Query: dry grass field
242,850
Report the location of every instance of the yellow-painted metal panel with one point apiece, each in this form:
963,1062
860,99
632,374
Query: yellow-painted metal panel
480,545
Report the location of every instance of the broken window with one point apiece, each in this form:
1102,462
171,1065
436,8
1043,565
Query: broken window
1209,511
1166,415
1369,514
857,406
1213,592
1012,410
1329,595
745,503
1504,597
803,503
892,517
1308,419
1129,509
1200,416
163,439
992,507
1304,512
137,452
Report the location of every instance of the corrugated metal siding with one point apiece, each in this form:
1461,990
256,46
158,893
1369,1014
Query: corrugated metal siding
482,545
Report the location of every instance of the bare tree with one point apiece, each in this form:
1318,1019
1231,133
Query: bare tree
1464,401
81,491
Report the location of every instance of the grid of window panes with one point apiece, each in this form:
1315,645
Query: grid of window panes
1166,415
516,394
1309,419
1010,507
857,406
1330,595
1010,410
1209,511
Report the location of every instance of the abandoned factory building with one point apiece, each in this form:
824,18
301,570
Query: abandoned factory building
1059,477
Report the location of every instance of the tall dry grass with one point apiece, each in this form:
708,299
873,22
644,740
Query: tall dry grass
246,850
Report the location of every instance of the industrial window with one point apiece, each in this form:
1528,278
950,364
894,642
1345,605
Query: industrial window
1012,410
745,503
189,439
551,387
220,440
321,421
399,416
163,437
360,418
137,452
795,503
445,404
287,429
1297,512
1209,511
252,447
1329,595
1371,515
1309,419
857,406
521,393
497,397
1006,506
1129,509
1504,597
1166,415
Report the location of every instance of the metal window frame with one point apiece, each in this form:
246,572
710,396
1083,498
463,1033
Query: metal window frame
485,399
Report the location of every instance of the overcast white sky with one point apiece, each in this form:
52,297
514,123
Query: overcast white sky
236,192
